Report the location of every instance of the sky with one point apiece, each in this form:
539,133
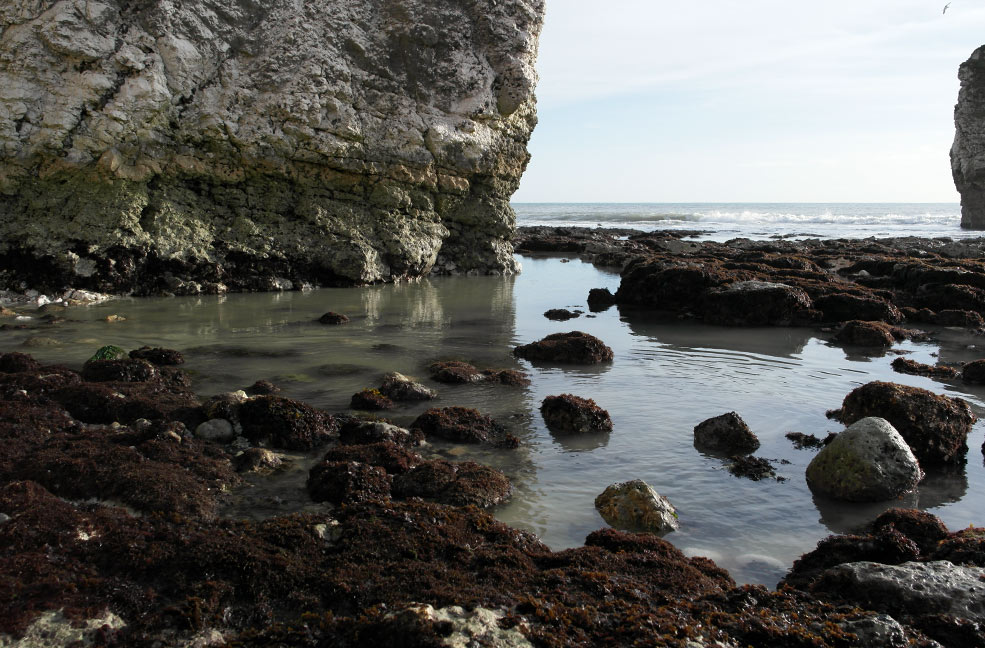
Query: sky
753,101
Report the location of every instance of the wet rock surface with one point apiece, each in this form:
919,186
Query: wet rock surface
570,414
935,427
907,366
566,348
635,506
455,372
868,462
726,434
458,424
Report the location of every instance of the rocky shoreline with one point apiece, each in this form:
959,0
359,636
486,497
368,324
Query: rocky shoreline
114,476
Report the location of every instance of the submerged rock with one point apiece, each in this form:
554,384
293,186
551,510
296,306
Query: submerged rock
935,427
569,414
333,318
571,348
209,148
725,434
868,462
635,506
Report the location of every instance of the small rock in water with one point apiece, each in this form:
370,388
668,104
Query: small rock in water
907,366
868,334
573,415
726,434
110,352
261,388
40,341
802,441
634,505
256,460
159,356
571,348
974,372
399,387
115,318
600,299
454,372
459,424
868,462
357,432
755,468
561,314
370,400
333,318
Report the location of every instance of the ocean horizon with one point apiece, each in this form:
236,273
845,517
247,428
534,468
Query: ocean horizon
723,221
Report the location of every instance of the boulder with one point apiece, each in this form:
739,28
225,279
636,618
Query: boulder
567,348
635,506
569,414
756,303
935,427
205,147
868,462
726,434
458,424
912,588
871,334
399,387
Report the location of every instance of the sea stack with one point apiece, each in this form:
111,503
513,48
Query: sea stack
203,146
968,150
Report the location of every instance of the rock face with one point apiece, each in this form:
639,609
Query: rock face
967,152
868,462
233,144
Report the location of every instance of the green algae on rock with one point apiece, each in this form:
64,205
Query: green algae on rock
198,148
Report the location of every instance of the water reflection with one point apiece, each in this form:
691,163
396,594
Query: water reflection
777,342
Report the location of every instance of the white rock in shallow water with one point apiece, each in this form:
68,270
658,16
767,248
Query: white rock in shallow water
634,505
868,462
217,429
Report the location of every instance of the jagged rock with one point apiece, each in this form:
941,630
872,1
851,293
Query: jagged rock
725,434
203,146
967,157
569,414
635,506
573,348
868,462
935,427
913,588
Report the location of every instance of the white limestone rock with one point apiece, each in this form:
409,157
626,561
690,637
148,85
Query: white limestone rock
968,149
868,462
183,146
635,506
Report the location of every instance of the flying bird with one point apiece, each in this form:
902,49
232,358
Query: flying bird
945,8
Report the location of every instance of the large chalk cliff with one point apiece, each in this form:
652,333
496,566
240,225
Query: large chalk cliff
968,150
191,146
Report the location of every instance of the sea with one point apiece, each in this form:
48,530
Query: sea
723,221
666,377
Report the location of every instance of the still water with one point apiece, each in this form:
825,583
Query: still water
666,378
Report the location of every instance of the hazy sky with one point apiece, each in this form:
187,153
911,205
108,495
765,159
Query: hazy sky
755,101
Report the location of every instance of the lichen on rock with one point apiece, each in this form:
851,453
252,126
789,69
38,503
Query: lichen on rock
202,146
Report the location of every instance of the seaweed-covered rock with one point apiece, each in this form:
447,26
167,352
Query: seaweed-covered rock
358,431
454,483
868,462
963,318
750,467
257,460
569,414
974,372
840,307
333,318
109,352
756,303
964,547
262,388
635,506
347,482
935,427
561,314
888,546
389,456
128,370
399,387
455,373
285,423
725,434
872,334
459,424
599,299
924,529
571,348
371,400
158,356
17,363
510,377
907,366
